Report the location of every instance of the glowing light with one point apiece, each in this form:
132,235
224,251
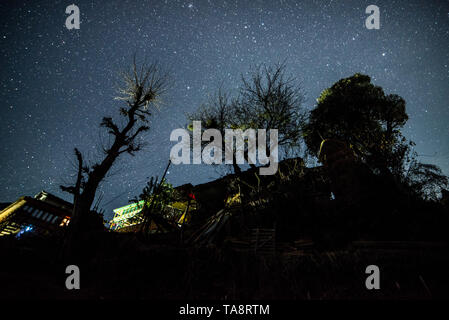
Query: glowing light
26,229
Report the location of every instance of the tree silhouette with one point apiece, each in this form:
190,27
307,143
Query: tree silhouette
267,99
425,180
156,195
141,92
217,113
360,114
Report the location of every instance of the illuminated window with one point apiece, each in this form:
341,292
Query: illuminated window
64,222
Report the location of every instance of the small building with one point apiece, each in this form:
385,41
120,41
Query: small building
128,218
42,214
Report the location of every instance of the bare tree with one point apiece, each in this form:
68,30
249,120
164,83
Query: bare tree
271,100
217,113
268,99
141,93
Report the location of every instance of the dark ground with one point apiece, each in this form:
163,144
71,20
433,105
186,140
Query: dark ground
121,266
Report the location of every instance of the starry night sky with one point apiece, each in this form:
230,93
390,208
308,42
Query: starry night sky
57,84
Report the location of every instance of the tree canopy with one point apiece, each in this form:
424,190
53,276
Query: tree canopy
359,113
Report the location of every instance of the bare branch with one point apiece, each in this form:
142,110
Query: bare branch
108,123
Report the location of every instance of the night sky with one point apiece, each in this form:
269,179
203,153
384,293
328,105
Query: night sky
57,84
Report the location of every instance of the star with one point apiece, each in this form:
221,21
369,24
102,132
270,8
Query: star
59,84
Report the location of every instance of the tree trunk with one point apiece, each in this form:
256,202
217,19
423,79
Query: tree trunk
237,169
80,222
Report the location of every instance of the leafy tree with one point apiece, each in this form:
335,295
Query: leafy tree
359,113
156,195
425,180
161,197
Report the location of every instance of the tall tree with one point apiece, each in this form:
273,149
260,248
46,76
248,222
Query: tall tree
270,99
359,113
217,113
267,99
143,87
